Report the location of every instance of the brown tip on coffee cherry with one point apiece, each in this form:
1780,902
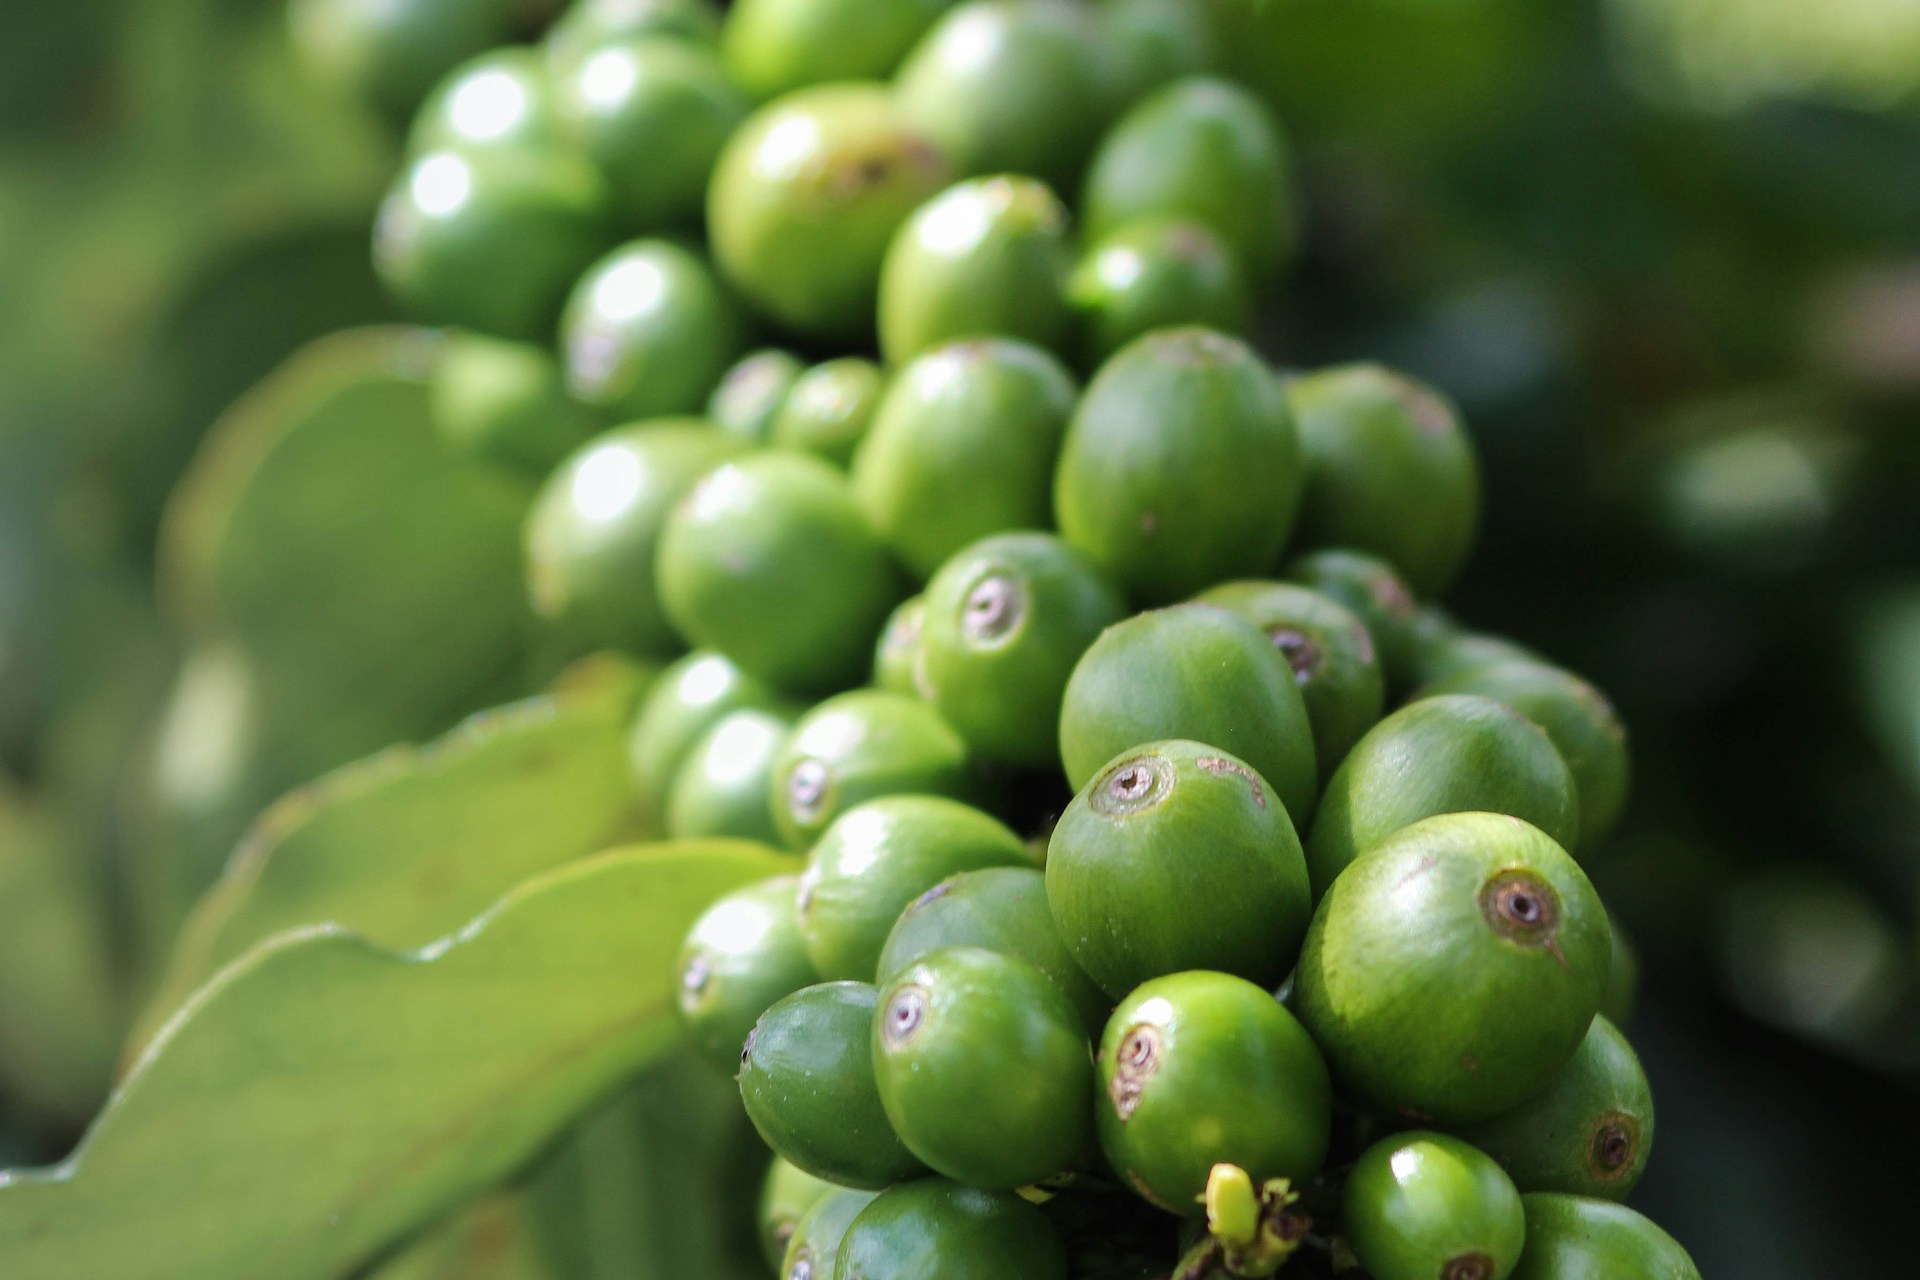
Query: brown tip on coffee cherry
1134,1063
1610,1152
1522,908
1468,1266
807,789
1393,597
1363,644
1301,653
695,977
906,1014
1428,411
993,608
1132,785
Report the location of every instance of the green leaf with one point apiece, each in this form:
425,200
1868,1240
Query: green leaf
490,1239
321,1098
370,579
1730,54
407,846
344,583
661,1182
192,795
59,1009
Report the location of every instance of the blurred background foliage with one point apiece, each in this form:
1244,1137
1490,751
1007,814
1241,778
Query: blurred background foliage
1665,252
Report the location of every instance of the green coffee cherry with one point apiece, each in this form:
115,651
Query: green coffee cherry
720,790
1177,856
770,561
1150,42
1622,995
752,391
389,53
861,746
1195,672
1202,148
1330,651
1198,1069
815,1244
933,1229
1003,909
490,240
648,332
1378,596
776,46
593,531
652,112
1423,1205
1390,470
806,1077
690,697
590,24
1577,717
499,99
985,258
1434,632
1009,86
1153,273
743,954
1573,1238
787,1195
963,445
1181,467
879,856
827,410
1465,653
984,1068
1443,651
1450,754
505,403
1589,1134
1452,971
1007,619
806,196
896,658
